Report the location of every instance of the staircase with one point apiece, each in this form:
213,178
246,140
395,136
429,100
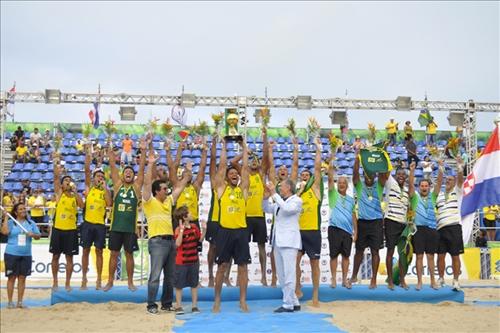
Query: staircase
6,156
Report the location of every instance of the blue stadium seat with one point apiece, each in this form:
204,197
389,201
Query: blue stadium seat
36,177
17,186
28,167
42,167
25,175
18,167
8,186
48,176
280,140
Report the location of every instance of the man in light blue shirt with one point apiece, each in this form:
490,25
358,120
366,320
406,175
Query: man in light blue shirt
343,226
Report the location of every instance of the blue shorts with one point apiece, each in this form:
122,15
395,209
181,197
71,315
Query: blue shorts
17,265
91,233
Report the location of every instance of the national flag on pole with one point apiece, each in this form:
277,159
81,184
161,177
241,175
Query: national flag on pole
424,118
482,187
94,115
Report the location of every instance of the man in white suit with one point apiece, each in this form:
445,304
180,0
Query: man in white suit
286,240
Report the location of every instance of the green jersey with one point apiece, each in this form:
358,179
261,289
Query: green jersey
125,210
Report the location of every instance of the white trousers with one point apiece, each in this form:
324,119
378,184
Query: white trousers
286,258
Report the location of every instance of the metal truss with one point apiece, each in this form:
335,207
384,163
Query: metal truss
251,101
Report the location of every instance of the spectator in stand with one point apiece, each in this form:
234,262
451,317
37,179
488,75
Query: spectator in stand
51,209
411,149
13,143
482,240
8,200
21,154
36,203
427,167
490,216
35,137
392,130
79,146
187,262
17,256
34,154
46,139
127,146
357,144
460,132
26,183
344,130
408,129
431,131
19,133
21,198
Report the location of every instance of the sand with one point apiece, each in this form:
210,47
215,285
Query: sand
349,316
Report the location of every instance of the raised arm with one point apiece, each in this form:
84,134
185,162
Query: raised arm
235,162
198,183
439,180
212,169
148,178
88,158
271,173
79,200
355,171
221,171
142,163
331,172
460,172
295,160
172,170
57,176
115,177
265,151
179,187
411,180
290,207
245,171
317,168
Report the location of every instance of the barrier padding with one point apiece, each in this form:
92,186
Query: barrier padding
255,293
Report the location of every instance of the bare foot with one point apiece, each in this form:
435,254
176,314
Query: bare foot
98,285
273,282
333,284
263,281
299,293
68,288
315,303
211,282
347,284
216,308
55,287
108,286
84,285
404,285
353,280
244,307
435,286
228,283
131,287
390,286
373,285
419,286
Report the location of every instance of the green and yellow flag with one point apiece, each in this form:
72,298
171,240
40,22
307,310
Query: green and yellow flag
375,159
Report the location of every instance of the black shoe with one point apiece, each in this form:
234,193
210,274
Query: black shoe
168,308
282,309
296,308
153,309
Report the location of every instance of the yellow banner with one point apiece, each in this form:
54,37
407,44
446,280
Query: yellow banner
472,261
495,262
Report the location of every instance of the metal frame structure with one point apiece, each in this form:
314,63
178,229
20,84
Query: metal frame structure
470,109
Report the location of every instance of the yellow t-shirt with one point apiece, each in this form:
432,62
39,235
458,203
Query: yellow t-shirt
189,198
32,201
310,216
391,127
408,130
66,213
255,197
159,216
51,205
232,208
20,151
95,206
490,212
213,214
7,202
431,128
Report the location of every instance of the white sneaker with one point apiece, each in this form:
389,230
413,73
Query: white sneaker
456,286
441,282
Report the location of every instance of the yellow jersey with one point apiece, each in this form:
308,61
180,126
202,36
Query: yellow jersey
255,197
432,128
391,128
213,214
490,212
66,211
310,216
95,206
189,198
232,208
51,209
7,202
32,201
159,216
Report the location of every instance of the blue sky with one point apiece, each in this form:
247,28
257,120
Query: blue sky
375,50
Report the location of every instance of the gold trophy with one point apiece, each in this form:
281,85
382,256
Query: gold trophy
232,118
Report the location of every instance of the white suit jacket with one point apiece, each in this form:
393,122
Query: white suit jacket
286,220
